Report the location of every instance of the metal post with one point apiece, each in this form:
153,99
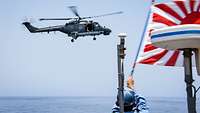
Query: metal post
120,58
191,97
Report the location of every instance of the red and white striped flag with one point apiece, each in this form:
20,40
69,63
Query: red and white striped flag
178,12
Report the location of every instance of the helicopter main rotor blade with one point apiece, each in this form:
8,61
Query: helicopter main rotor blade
74,10
120,12
41,19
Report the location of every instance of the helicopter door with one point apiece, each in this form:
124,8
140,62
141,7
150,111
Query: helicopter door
89,27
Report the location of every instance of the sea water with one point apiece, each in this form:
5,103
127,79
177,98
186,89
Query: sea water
84,105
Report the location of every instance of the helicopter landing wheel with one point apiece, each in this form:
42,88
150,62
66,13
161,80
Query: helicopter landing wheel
72,40
94,38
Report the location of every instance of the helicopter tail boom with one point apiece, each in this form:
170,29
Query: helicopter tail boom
31,28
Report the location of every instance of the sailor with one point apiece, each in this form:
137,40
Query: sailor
133,102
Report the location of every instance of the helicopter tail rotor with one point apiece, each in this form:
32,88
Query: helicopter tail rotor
27,20
30,20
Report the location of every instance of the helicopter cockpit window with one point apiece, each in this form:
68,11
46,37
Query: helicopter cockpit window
97,25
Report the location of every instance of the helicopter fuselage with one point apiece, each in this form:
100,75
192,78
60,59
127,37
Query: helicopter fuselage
84,29
73,29
77,27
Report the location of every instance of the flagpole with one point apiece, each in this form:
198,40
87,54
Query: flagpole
142,38
191,90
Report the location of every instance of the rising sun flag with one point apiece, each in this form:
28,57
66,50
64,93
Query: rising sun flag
163,15
172,38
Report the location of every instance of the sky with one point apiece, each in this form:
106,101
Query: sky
50,65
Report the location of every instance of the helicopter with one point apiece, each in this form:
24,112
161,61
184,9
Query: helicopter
76,27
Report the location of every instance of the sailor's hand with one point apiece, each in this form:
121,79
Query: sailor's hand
130,82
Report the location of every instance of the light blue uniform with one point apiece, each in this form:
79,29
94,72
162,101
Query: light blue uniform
139,105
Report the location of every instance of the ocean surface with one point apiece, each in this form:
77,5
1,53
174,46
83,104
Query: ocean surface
84,105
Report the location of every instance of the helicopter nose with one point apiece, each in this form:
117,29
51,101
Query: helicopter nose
107,31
